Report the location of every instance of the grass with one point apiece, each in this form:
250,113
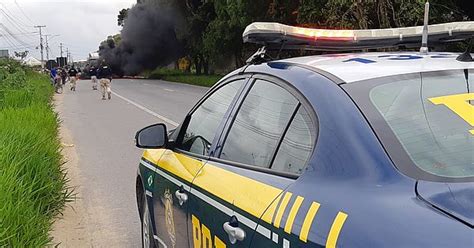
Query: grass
32,183
182,77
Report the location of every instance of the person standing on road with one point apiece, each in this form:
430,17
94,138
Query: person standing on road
63,74
104,73
72,78
93,74
53,74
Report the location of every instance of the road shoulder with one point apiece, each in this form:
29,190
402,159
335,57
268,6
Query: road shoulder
69,230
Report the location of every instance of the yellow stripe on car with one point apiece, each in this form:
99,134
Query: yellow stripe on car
268,215
282,208
336,227
308,221
293,212
176,164
245,193
252,196
255,198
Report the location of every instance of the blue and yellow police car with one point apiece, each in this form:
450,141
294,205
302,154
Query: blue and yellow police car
334,150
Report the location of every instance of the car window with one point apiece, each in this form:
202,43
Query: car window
424,120
205,120
297,146
259,125
430,117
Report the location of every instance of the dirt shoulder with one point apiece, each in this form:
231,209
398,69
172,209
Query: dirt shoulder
70,229
89,220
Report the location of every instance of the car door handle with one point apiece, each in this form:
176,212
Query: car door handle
234,231
182,197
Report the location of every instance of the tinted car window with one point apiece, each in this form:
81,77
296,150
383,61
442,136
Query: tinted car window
297,146
430,116
424,120
206,118
259,125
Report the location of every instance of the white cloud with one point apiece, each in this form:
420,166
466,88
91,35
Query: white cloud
80,24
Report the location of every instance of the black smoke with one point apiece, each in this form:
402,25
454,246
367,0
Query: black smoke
148,40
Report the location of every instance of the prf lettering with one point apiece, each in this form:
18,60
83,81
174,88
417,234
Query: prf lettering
202,237
459,104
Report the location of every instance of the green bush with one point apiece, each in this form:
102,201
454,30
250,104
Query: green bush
201,80
174,75
32,184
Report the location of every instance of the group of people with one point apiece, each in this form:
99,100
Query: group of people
59,77
101,75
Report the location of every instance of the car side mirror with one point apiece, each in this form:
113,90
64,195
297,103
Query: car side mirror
153,137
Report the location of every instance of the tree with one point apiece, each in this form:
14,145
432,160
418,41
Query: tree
223,37
197,16
21,55
363,14
122,16
211,30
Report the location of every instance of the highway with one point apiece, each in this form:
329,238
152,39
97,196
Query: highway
103,175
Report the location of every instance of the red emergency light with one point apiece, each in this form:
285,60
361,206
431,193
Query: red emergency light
277,35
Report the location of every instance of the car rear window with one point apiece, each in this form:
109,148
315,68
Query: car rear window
431,115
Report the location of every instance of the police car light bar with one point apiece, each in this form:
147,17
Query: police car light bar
274,35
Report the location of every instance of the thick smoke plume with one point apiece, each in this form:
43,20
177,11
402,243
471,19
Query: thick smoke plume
148,40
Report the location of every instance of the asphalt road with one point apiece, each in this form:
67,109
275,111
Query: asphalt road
102,132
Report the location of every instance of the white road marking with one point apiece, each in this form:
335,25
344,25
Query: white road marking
168,90
169,121
242,219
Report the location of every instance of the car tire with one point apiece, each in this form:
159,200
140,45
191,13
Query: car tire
147,230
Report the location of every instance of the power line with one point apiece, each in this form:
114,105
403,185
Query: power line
8,13
10,42
14,47
25,34
48,50
19,29
41,43
11,34
23,12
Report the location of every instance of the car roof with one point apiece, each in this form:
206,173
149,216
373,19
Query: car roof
353,67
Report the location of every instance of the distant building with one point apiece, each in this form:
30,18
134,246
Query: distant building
4,54
51,64
62,61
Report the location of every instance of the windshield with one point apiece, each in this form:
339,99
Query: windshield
427,122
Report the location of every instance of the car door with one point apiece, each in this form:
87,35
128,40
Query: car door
237,185
177,167
174,173
294,213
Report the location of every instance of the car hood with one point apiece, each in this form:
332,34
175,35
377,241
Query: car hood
454,199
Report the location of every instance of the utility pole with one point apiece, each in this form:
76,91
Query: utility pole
67,55
41,43
47,47
61,48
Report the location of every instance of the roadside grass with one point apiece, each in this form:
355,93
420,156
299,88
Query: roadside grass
33,186
182,77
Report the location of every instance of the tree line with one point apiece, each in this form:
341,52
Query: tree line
210,31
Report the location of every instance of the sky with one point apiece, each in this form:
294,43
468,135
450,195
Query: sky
79,25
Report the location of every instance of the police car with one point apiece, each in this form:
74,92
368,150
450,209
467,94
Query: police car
336,150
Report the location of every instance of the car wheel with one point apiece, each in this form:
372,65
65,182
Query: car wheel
147,231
